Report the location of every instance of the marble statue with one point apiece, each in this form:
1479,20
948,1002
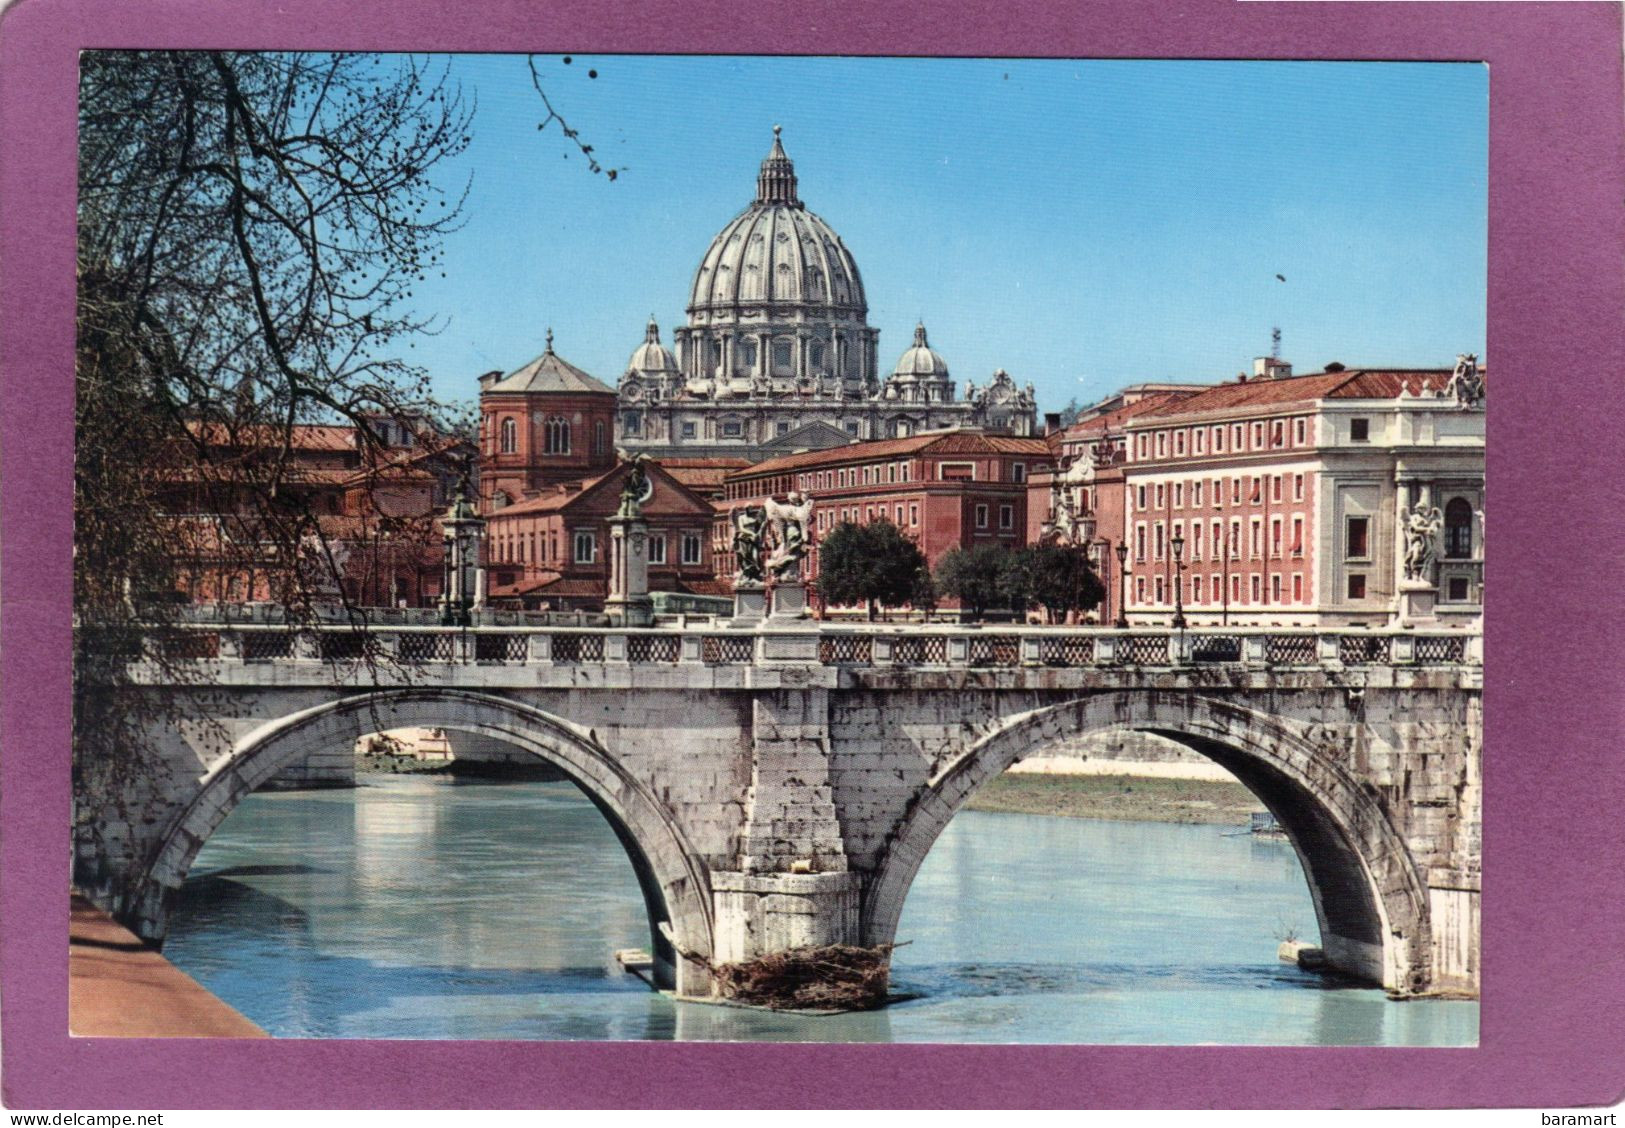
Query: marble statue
1421,530
748,522
791,522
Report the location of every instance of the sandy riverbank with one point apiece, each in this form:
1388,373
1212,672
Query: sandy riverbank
1124,797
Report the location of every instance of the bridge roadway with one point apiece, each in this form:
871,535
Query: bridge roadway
780,786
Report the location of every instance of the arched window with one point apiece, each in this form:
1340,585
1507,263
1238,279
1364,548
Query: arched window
1458,529
598,437
556,436
510,436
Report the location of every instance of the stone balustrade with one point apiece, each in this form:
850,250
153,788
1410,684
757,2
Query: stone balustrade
877,646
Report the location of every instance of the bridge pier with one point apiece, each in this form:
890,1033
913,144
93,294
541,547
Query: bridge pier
758,914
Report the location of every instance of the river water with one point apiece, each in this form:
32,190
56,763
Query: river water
427,907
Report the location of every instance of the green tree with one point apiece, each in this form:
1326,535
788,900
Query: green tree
1059,579
983,578
873,564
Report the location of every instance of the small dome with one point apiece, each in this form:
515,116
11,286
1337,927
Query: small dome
652,357
921,360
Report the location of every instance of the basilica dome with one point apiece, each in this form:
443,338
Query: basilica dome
777,254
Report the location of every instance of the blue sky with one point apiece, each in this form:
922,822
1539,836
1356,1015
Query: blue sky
1082,224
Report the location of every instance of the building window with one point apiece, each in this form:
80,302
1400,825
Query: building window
691,548
1258,588
632,422
1196,494
1139,446
899,516
1258,435
1297,536
1235,491
1275,589
1156,540
1357,546
1275,488
1161,594
1139,497
1238,435
1297,487
1179,495
1359,430
1297,588
1255,549
556,436
1275,536
1235,589
1162,449
852,427
598,437
1458,529
781,355
1179,442
1162,497
1300,432
1218,440
510,436
1357,585
781,428
981,516
732,428
688,429
1007,516
1139,542
1235,540
1277,433
1196,586
585,548
657,549
1198,436
1458,590
1018,471
1139,589
913,514
1196,540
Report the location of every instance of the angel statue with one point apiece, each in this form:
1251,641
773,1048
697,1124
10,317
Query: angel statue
1465,385
1422,527
748,524
1065,525
632,490
791,522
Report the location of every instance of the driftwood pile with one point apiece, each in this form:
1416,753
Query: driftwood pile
838,977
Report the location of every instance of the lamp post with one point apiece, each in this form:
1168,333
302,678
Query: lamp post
1122,586
462,528
1178,544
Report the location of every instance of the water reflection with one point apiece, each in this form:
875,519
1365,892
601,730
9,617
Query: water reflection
418,907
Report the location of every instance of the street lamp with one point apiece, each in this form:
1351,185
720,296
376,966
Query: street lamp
1122,580
463,528
1178,544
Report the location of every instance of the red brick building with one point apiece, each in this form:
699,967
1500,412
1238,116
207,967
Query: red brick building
949,489
545,423
1289,493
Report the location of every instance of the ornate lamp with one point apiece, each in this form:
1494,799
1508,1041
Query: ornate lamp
1178,544
1122,579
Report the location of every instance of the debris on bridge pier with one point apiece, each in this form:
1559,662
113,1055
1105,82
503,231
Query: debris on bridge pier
837,977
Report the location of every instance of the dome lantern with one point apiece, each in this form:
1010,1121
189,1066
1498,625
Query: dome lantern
776,183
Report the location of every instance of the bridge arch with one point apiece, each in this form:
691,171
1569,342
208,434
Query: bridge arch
675,884
1370,900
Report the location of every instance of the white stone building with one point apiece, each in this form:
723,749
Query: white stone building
778,354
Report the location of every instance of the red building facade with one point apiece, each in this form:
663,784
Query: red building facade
953,489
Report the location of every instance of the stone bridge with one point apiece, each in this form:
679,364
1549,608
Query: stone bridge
781,786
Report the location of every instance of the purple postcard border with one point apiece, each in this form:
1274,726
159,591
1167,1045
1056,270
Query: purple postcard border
1553,1012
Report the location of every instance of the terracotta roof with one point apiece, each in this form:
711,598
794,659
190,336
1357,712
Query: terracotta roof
937,442
1111,420
549,502
554,584
706,587
303,436
1353,383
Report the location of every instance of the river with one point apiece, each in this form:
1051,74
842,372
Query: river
427,907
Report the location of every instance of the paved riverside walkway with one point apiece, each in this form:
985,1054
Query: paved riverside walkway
119,987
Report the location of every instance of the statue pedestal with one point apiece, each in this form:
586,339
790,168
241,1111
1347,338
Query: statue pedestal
750,602
1417,599
629,601
789,600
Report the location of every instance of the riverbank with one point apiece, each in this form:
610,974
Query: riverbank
1132,798
119,987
